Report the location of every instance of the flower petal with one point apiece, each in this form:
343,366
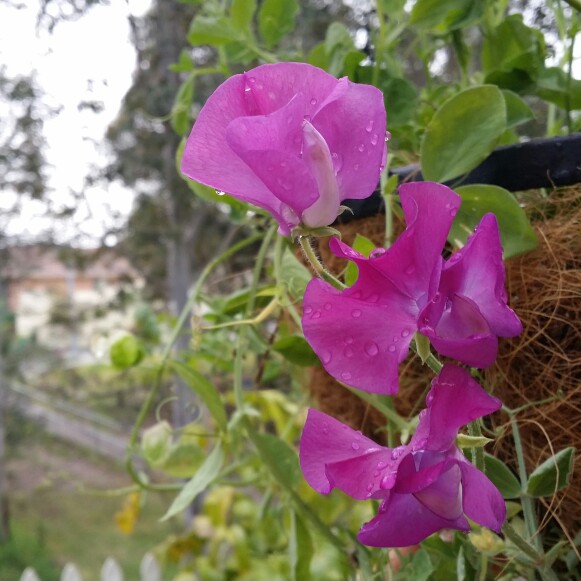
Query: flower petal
454,400
477,272
332,454
457,329
360,342
482,501
353,121
403,520
444,496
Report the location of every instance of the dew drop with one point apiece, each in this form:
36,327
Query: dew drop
307,118
327,306
387,481
405,333
316,315
422,414
220,193
370,487
361,147
410,269
377,252
308,310
391,348
369,126
373,298
346,375
348,340
357,295
251,80
356,167
397,452
313,101
348,352
371,349
272,95
387,136
429,398
453,212
326,357
337,162
381,465
356,313
325,429
355,445
374,139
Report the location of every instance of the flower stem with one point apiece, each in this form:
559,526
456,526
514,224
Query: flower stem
317,265
474,429
431,360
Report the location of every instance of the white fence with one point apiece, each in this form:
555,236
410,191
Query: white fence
149,570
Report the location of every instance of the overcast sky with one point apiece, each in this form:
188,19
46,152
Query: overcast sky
91,58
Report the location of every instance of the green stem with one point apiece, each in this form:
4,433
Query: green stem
474,429
527,502
511,534
483,567
431,361
387,411
317,265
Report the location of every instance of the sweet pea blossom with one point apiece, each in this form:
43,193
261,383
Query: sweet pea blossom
424,486
292,139
362,333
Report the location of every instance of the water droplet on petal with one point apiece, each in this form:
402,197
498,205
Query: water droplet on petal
410,269
356,313
290,215
220,193
381,465
313,101
397,452
251,80
357,295
387,136
377,252
371,349
326,357
391,348
369,126
308,310
348,340
316,315
453,212
405,333
420,444
374,139
373,298
370,487
361,147
346,375
337,162
429,398
387,481
356,167
422,414
348,352
355,446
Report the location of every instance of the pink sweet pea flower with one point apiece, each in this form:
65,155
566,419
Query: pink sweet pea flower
292,139
362,333
424,486
470,309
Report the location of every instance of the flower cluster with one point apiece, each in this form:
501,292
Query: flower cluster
295,141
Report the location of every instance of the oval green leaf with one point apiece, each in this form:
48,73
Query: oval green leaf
462,133
501,476
516,232
552,475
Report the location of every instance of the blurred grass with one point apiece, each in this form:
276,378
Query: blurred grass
54,521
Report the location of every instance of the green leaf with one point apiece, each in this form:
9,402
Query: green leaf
300,548
296,349
180,113
501,476
363,246
207,473
185,63
443,16
338,44
156,443
553,85
276,18
516,233
206,391
280,458
552,475
462,133
184,460
513,54
242,12
212,30
318,56
294,274
517,110
126,352
465,441
423,346
210,194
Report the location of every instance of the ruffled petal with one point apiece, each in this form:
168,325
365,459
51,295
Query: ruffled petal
482,501
403,521
334,455
454,400
360,342
477,272
457,329
353,122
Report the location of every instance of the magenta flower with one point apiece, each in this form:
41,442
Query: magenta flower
292,139
424,486
362,333
470,309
